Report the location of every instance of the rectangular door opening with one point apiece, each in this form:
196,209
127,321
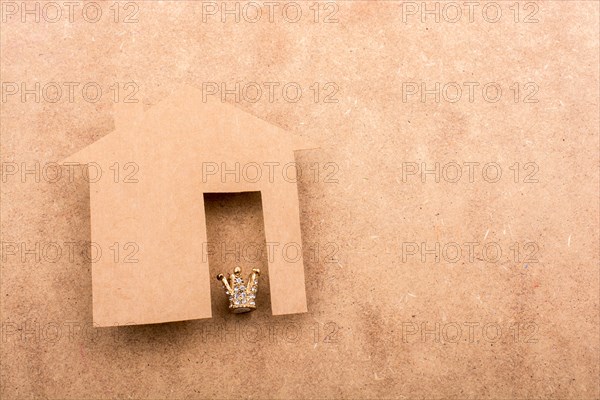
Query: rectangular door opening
236,237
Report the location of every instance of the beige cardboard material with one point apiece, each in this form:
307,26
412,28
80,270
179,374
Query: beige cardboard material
357,340
182,148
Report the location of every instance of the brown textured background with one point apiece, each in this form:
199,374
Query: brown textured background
351,343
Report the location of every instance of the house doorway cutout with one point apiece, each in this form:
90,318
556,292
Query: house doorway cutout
235,237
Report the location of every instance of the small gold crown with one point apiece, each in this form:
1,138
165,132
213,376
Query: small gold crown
242,297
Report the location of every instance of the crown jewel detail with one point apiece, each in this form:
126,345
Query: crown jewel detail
242,296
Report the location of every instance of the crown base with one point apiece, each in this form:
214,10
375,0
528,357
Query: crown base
242,307
241,310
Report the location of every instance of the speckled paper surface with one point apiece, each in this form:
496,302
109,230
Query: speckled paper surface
449,218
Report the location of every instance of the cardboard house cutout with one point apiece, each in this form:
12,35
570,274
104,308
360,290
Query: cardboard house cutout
175,145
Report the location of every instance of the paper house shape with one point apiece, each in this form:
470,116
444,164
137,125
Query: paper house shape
175,146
